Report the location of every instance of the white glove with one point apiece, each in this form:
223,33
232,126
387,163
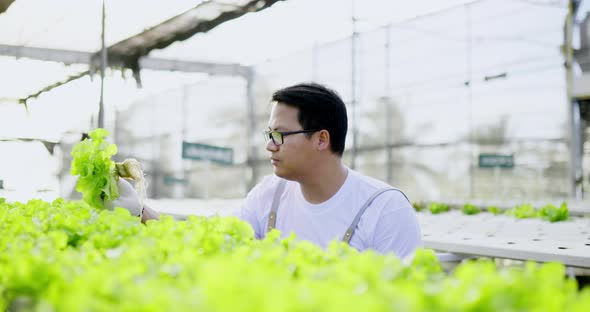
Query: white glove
128,199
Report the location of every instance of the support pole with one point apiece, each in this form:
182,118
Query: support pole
353,82
574,186
469,82
388,103
251,131
103,65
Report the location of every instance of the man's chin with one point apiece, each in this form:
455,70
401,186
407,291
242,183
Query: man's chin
278,173
281,174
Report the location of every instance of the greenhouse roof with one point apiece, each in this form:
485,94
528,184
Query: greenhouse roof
69,32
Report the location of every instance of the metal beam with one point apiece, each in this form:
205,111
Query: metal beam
70,57
67,57
221,69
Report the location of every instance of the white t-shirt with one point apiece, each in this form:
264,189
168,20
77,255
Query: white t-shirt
389,224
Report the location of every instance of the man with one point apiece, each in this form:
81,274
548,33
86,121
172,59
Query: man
312,193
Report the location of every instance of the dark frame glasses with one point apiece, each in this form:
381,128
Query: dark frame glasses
278,137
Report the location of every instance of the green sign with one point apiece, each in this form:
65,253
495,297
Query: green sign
496,161
197,151
169,180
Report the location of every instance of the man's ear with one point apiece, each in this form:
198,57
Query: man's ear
323,140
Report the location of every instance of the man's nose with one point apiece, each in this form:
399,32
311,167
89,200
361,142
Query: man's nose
271,146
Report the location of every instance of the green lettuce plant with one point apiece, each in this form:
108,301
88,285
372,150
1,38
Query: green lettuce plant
436,208
69,256
554,214
523,211
470,209
92,162
494,210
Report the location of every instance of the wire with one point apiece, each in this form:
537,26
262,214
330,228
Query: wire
548,4
522,39
54,85
460,38
403,25
421,83
457,85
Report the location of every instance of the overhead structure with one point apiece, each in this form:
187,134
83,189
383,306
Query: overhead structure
130,53
70,57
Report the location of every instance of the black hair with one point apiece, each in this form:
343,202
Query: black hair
319,108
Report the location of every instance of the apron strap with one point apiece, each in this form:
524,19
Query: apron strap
350,231
272,217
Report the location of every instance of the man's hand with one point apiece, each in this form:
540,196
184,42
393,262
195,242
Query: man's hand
128,199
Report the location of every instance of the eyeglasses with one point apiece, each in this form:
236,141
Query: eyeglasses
277,137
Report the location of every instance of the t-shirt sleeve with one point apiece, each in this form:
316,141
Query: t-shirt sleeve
397,229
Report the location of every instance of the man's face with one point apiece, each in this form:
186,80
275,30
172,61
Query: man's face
294,158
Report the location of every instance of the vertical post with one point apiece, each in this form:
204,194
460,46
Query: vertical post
468,73
577,143
387,102
569,55
353,74
251,130
103,65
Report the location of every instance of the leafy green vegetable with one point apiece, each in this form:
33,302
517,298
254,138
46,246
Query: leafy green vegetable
523,211
494,210
92,162
436,208
470,209
68,256
554,214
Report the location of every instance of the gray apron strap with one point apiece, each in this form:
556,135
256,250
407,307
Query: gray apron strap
272,217
350,231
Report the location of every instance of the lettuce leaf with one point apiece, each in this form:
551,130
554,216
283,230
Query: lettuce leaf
97,174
